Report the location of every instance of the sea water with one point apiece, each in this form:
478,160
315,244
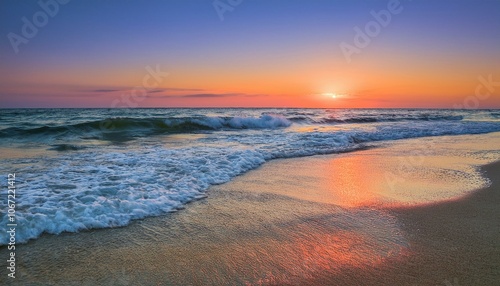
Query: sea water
78,169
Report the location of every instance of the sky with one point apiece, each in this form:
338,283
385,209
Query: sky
250,53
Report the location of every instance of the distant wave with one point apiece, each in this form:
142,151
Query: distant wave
377,118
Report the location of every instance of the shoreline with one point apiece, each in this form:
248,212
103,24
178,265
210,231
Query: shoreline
464,231
265,229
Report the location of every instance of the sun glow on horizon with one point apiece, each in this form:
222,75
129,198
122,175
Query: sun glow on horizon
331,95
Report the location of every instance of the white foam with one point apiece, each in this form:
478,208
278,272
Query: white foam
114,188
264,121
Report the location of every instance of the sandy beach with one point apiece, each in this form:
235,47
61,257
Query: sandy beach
300,222
452,243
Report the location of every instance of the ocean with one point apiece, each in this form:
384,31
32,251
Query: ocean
80,169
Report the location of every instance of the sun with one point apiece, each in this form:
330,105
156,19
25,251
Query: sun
331,95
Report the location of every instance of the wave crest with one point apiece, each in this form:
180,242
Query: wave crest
128,128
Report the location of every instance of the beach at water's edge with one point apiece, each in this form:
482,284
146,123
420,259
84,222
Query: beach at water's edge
320,220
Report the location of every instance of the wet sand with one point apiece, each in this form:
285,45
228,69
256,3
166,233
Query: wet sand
461,237
451,243
293,222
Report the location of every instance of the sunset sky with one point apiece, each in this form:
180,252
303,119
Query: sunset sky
250,53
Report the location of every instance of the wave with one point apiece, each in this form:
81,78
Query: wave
128,128
66,147
133,127
376,118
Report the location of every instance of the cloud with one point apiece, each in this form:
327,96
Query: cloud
208,95
104,90
182,89
205,95
156,90
255,95
170,92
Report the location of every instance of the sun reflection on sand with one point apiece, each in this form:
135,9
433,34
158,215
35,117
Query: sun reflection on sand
288,249
383,177
352,181
341,181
